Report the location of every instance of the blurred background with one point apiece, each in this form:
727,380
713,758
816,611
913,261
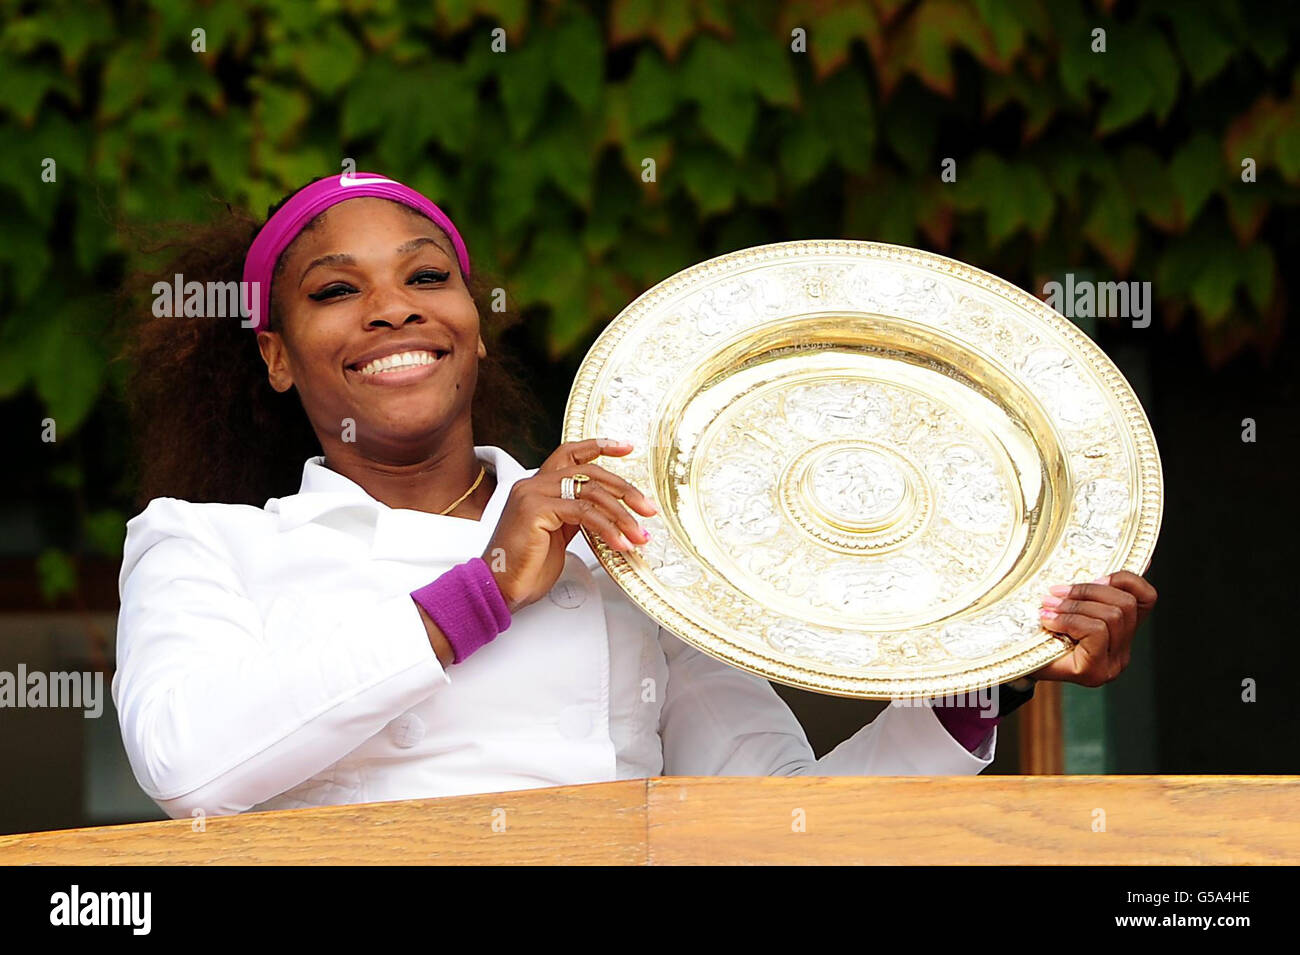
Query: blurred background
767,121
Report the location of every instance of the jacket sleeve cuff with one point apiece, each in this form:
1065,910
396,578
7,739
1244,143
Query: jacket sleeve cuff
920,731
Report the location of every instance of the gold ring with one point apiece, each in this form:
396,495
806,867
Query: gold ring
580,478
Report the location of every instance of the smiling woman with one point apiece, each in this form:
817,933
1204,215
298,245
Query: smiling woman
339,642
207,426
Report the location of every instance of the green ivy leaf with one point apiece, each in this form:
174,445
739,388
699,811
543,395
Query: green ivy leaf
882,210
553,273
1261,34
21,339
1184,259
1214,286
934,30
1286,149
57,574
294,167
70,363
1068,159
757,182
106,531
68,476
1077,66
802,152
328,60
1259,274
669,22
578,53
841,110
59,138
1038,98
1203,38
225,144
363,104
1013,196
511,14
1149,186
565,152
25,248
647,258
615,204
710,178
1111,226
1248,205
27,84
512,190
281,110
455,15
93,234
768,57
651,91
1162,73
911,125
715,77
524,78
124,82
1195,173
1129,97
1006,26
831,30
659,146
72,31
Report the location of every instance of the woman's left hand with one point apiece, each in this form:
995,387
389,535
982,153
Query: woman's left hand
1102,617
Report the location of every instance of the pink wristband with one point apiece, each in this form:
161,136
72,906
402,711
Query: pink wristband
966,724
467,606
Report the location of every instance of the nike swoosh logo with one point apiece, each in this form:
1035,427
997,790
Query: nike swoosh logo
345,180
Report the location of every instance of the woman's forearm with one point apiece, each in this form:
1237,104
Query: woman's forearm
437,639
463,610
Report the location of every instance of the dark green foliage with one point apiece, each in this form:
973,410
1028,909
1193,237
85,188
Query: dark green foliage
1126,163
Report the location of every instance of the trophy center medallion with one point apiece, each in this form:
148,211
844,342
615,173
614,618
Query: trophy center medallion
858,487
855,496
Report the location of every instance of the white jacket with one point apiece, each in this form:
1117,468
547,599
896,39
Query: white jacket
272,658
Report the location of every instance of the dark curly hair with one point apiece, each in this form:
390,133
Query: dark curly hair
207,424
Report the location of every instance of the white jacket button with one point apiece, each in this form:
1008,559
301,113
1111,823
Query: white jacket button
575,722
406,730
568,593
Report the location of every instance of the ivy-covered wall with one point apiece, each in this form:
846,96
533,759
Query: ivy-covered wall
1140,140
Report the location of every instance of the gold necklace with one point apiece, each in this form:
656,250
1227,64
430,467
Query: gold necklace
482,470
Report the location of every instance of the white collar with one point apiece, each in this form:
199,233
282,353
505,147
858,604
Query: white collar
400,533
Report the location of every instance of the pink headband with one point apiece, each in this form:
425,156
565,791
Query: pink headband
309,202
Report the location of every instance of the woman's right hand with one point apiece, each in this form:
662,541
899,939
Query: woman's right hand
526,552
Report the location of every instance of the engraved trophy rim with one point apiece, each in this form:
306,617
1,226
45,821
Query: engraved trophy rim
709,361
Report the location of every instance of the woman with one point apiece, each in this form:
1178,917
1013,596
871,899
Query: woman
421,617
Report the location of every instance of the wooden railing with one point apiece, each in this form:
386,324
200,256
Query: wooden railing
1029,820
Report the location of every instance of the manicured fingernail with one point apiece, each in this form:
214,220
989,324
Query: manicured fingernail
1102,580
1047,614
1059,589
646,533
1053,602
